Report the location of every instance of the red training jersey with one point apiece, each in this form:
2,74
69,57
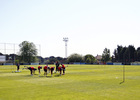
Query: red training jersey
52,67
59,68
63,66
46,67
32,68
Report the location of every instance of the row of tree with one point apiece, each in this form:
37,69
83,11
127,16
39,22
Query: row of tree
79,58
28,54
126,54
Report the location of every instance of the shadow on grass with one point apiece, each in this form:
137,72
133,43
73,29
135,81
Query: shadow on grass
121,82
37,76
49,76
56,75
41,76
28,75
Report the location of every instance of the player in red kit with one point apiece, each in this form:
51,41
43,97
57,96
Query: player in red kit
45,70
60,69
63,68
52,69
32,70
39,67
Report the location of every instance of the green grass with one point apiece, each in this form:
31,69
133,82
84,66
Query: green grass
81,82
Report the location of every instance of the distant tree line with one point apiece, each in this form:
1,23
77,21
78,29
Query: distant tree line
79,58
28,54
126,54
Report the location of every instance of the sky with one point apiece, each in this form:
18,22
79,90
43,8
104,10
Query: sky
90,25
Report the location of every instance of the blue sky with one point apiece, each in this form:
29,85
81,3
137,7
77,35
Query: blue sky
90,25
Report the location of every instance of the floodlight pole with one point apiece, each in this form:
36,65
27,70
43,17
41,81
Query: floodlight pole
65,40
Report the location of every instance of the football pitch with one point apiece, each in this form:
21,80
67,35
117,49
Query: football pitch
81,82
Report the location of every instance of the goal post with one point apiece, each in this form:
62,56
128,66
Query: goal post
8,50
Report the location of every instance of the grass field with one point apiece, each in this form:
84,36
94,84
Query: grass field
81,82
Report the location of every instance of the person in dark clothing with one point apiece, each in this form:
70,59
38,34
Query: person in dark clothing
17,66
57,65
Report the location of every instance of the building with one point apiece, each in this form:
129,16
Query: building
98,58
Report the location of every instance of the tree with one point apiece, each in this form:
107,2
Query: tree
138,54
75,58
119,53
106,55
115,55
40,59
131,53
126,54
28,52
89,58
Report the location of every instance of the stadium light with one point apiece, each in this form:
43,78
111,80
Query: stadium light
65,39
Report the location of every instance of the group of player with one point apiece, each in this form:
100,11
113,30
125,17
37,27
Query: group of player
47,69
